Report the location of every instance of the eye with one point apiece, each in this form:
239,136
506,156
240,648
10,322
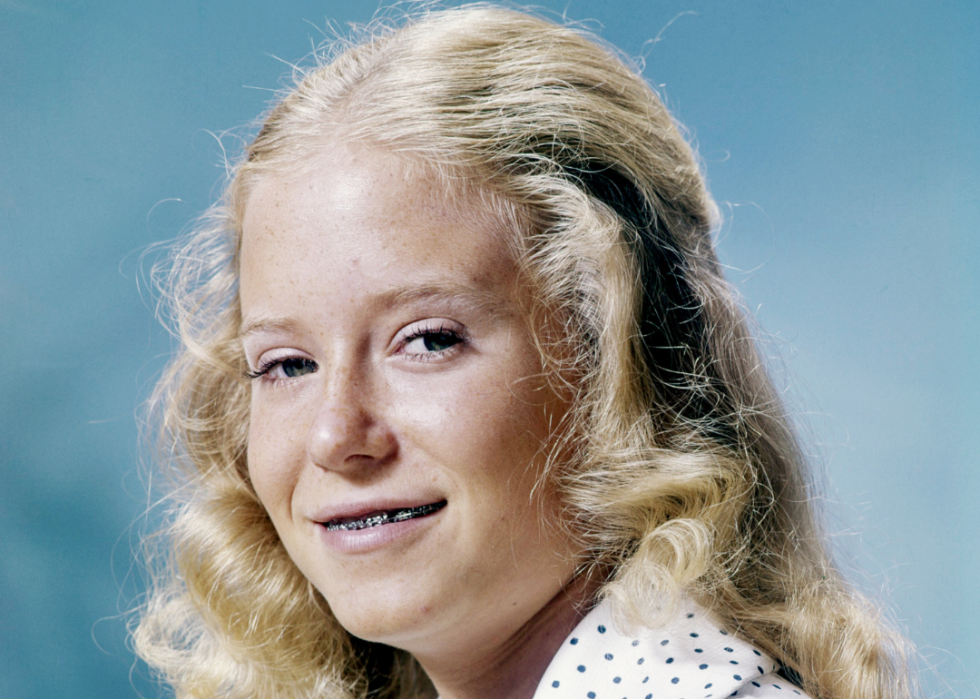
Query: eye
426,341
285,368
296,366
431,342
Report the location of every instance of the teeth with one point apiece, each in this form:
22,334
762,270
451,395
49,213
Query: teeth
385,517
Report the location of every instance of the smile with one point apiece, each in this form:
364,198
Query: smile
376,519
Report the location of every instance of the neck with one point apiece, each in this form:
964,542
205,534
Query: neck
513,669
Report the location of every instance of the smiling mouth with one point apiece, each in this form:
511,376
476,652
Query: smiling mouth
376,519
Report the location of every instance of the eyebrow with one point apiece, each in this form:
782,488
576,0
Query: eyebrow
264,324
473,297
470,295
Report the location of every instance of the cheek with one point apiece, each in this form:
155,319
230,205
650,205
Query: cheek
273,452
494,434
483,420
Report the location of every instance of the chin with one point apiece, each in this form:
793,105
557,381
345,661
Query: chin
398,623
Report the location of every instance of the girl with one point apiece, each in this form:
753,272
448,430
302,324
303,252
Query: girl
466,407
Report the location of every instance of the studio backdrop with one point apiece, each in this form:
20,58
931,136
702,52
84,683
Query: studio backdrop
840,139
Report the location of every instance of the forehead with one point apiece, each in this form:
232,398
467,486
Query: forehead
359,211
360,180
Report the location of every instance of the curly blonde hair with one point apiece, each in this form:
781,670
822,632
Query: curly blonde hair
686,477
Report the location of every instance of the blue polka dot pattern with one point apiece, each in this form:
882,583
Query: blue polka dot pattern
602,661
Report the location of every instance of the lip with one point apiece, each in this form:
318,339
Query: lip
355,510
377,537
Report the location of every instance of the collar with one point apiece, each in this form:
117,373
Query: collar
693,657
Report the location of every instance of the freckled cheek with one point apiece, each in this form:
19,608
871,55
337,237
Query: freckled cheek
480,430
275,456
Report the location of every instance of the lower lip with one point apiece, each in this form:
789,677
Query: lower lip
373,538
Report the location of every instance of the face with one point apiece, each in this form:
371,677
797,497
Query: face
399,414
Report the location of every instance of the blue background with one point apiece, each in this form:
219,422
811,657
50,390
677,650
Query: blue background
842,140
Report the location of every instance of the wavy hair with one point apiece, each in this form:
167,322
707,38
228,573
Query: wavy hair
686,478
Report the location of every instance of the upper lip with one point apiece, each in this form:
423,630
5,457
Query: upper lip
361,508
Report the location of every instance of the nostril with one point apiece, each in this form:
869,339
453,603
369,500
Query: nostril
343,438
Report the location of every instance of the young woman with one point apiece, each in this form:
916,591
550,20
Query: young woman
466,407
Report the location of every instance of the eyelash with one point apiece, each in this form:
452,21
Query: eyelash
421,332
271,364
428,330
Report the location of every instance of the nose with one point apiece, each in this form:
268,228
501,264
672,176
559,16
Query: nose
346,435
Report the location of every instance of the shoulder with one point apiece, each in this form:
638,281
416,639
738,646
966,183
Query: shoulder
691,658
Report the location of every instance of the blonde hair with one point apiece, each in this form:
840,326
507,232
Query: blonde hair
686,479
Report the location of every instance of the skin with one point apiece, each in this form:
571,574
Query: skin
381,319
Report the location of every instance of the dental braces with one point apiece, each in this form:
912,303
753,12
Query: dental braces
384,518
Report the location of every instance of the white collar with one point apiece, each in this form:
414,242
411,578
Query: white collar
692,658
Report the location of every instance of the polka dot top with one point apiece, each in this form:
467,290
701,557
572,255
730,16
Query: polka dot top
693,658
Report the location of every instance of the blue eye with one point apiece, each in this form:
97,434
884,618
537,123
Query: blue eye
438,342
435,341
287,368
297,366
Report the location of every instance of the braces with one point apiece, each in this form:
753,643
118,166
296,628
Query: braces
385,518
